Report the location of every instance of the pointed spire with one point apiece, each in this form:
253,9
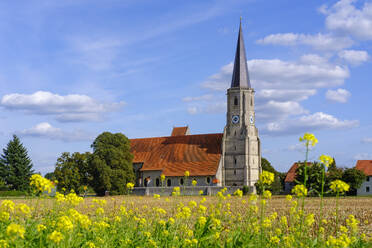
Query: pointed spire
240,76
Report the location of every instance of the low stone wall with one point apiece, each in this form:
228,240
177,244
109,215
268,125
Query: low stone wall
167,191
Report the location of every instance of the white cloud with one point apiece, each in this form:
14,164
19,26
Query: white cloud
367,140
192,110
318,41
273,110
64,108
310,72
354,57
308,123
197,98
339,95
45,130
343,17
284,95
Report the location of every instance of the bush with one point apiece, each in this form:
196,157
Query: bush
245,190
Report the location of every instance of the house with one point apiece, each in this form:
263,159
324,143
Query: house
231,158
289,181
366,167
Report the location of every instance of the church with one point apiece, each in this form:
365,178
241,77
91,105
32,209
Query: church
231,158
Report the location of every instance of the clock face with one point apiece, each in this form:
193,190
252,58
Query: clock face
251,119
235,119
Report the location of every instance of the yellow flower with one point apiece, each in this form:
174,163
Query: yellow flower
40,227
194,182
100,211
162,177
4,216
339,186
64,223
288,198
156,196
309,220
201,192
14,230
41,184
23,209
7,205
300,190
202,220
90,244
266,194
171,220
3,244
130,186
238,193
326,160
187,173
73,199
309,138
56,237
192,204
274,240
266,177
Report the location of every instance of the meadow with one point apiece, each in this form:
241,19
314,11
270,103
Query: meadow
185,221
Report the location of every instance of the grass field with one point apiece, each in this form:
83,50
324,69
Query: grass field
185,221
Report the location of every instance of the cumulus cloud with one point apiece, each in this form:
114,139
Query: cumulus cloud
367,140
45,130
339,95
311,122
311,71
273,110
354,57
284,95
318,41
345,18
65,108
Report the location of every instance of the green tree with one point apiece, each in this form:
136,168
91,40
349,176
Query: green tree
314,176
354,178
71,171
16,166
111,163
50,176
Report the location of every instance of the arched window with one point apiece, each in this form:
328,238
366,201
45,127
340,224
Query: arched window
208,180
169,182
234,172
157,182
251,101
181,181
235,161
235,101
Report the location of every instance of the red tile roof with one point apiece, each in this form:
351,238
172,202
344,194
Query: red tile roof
179,131
173,155
291,174
365,166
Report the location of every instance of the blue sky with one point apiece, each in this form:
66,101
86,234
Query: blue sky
72,69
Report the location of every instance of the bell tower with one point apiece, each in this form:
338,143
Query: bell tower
241,152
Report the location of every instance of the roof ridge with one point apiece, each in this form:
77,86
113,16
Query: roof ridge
190,135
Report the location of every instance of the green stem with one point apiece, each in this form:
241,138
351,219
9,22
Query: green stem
321,200
337,196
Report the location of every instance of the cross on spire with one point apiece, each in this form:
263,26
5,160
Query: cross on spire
240,76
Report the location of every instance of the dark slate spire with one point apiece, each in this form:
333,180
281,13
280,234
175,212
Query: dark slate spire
240,76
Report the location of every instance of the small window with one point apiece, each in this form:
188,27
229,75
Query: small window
235,161
234,172
251,102
367,189
157,182
235,148
169,182
181,181
235,101
367,179
208,180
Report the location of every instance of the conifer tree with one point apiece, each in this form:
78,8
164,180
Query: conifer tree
15,165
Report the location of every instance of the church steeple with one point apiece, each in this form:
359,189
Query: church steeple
240,76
